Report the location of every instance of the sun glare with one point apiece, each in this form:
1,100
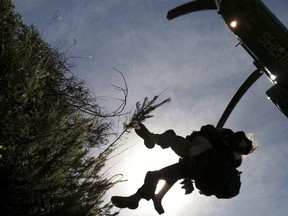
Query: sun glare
159,186
136,162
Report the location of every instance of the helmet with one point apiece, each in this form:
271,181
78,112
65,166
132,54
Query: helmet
244,145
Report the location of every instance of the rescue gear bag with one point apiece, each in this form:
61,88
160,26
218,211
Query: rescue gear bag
219,179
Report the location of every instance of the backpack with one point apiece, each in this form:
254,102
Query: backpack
219,179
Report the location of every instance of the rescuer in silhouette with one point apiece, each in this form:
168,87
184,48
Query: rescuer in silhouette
197,161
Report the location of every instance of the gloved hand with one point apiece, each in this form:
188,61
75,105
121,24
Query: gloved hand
187,185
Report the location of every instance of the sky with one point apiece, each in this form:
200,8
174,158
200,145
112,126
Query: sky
192,59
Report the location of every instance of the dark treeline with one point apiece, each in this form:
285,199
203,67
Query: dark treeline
49,122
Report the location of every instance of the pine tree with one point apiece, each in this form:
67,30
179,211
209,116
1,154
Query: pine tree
49,122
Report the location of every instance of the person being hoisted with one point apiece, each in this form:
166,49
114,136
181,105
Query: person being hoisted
208,158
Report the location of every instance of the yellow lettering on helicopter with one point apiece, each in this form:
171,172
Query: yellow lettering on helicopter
275,48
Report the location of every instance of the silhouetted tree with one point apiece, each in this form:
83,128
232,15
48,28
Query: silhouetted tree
49,122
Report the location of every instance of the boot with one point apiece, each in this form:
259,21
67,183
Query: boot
157,204
130,202
146,135
157,199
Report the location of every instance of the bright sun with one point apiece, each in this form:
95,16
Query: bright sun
136,162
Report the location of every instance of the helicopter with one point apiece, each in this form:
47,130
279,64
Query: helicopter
261,34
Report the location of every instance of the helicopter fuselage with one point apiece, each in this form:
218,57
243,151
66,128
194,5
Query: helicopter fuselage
263,36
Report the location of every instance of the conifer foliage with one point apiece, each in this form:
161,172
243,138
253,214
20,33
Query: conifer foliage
48,124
